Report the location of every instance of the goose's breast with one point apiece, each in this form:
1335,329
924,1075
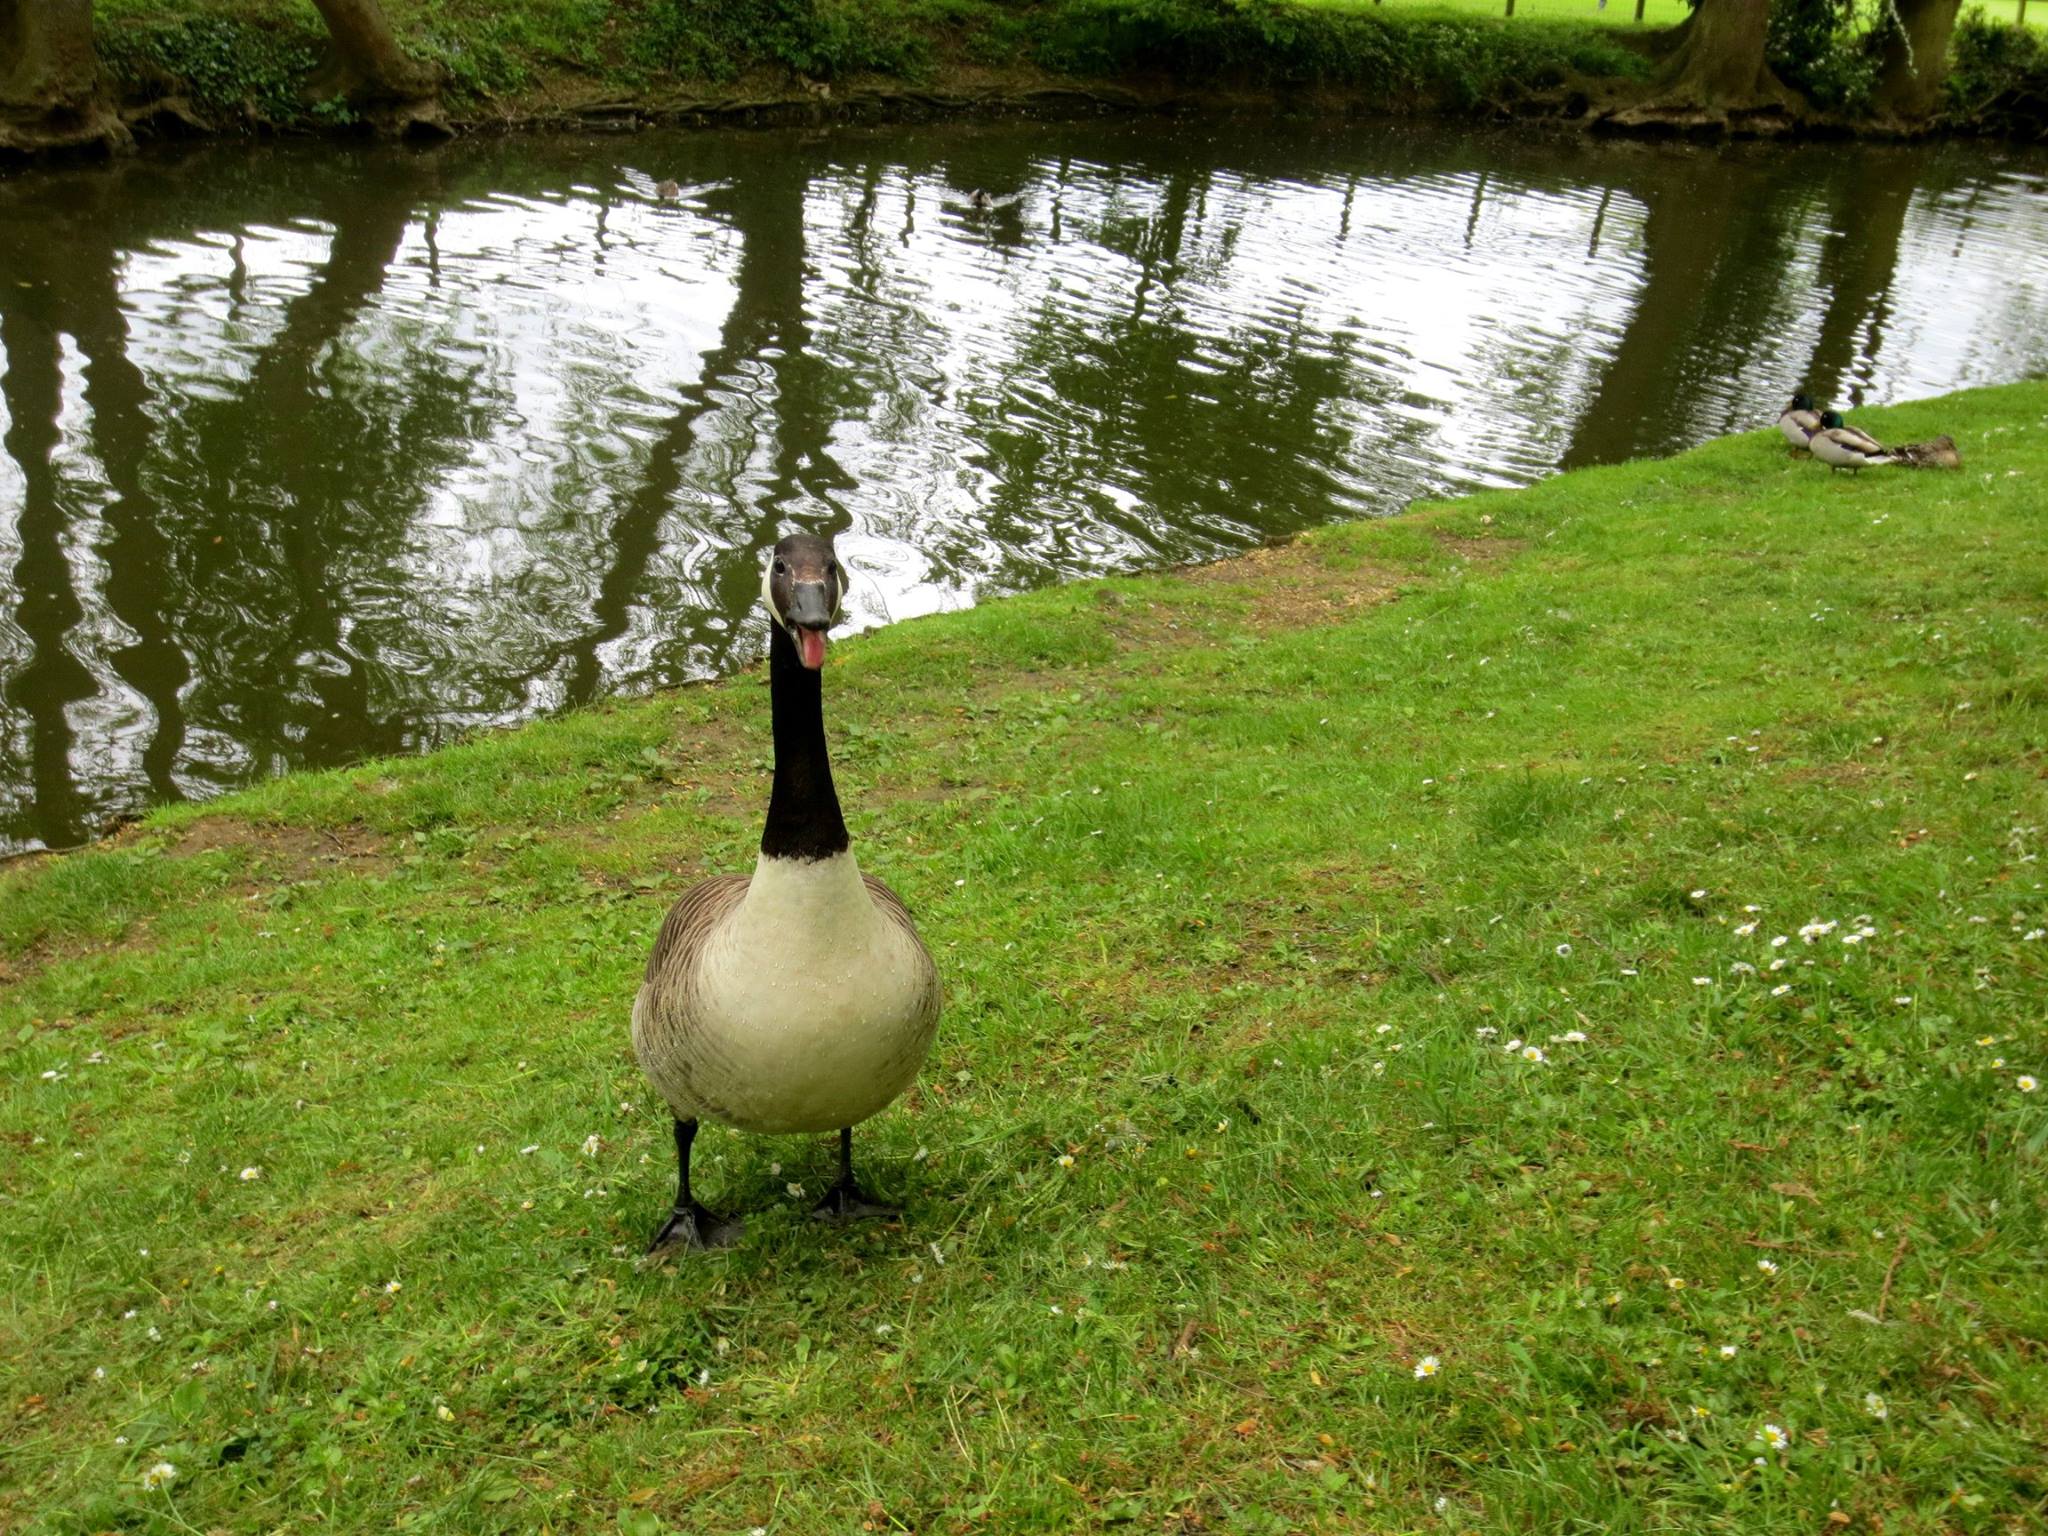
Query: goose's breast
809,1037
808,1004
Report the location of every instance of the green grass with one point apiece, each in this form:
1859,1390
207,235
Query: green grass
1622,13
1656,13
1241,882
2007,12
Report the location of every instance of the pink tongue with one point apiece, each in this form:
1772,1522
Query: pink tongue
812,644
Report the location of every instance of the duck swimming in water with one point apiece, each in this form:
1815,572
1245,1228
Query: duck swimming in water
800,997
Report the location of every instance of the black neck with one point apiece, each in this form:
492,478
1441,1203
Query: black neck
803,810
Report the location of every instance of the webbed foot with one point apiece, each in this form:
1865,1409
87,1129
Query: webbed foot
692,1226
846,1201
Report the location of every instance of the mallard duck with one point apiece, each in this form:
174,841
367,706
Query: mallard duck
1799,421
1935,453
1844,447
799,998
981,201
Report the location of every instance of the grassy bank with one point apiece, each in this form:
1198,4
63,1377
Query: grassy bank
548,60
325,1168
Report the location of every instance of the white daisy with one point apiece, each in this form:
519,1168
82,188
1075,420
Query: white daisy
1427,1367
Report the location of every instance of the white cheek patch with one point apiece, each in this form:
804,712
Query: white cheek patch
839,590
768,594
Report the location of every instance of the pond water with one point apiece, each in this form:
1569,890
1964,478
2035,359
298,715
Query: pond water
312,453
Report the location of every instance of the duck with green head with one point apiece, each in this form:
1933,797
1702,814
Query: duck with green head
1799,421
1840,446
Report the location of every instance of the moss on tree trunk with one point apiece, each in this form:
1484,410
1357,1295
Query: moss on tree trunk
1716,77
1915,62
49,78
394,92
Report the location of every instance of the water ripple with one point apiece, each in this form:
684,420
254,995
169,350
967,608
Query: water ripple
311,455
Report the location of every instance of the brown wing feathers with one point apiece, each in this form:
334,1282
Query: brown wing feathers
696,912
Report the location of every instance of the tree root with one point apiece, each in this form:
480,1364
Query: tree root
1677,117
89,128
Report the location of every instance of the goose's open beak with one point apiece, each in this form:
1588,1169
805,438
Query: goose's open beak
810,615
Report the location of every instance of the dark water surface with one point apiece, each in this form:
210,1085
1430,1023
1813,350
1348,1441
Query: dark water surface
313,453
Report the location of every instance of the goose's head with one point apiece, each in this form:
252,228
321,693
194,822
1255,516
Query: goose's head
804,587
1801,402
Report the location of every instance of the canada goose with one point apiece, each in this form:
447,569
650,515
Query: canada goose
1845,447
799,998
1799,421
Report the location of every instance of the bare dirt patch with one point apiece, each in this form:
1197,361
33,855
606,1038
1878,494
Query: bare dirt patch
1290,587
1483,550
283,853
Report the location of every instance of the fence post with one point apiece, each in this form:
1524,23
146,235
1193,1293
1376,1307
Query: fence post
1639,9
1511,7
2022,18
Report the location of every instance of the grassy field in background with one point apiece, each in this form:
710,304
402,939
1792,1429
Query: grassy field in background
1236,1200
1656,13
2008,11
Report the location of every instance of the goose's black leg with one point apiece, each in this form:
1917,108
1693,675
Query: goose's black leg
689,1224
845,1200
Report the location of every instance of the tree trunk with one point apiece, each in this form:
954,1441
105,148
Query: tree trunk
49,79
1915,62
1716,77
376,76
